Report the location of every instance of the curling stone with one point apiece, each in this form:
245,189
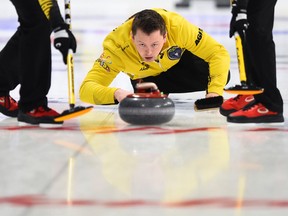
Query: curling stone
146,108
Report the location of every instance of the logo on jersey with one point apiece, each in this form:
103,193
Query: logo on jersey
46,6
125,47
103,61
145,66
199,36
174,53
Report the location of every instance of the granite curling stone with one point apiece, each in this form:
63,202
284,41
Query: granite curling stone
146,108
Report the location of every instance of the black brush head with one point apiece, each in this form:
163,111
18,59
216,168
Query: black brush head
208,103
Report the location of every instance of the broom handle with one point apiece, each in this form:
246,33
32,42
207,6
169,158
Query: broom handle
70,62
241,48
240,58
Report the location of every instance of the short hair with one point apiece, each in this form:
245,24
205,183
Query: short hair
148,21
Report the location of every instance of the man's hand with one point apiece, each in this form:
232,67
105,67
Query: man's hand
238,21
64,40
212,94
120,94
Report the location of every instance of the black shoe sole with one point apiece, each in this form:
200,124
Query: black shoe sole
47,120
226,112
6,112
263,119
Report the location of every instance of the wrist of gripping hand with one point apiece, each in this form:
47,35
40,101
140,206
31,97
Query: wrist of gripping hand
64,40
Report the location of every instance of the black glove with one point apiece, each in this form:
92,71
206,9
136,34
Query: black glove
64,40
238,21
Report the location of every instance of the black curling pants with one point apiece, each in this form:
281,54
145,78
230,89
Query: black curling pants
261,60
190,74
26,58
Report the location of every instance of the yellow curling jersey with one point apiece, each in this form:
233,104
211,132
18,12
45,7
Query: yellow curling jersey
120,55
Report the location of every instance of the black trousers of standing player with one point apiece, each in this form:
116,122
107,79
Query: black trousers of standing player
26,58
261,60
190,74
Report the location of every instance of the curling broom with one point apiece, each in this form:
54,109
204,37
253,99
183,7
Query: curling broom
245,88
74,111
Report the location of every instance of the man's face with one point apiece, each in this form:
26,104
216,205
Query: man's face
149,46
